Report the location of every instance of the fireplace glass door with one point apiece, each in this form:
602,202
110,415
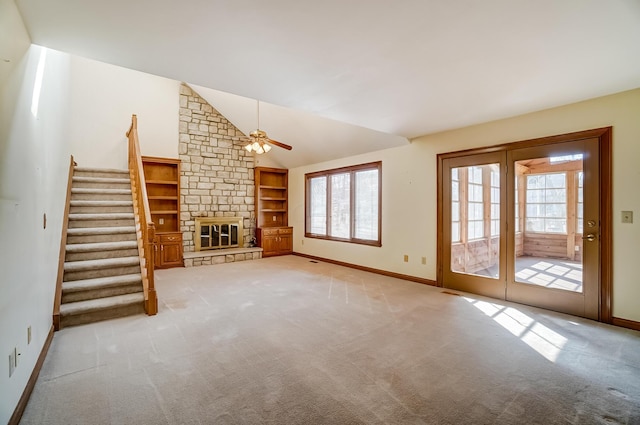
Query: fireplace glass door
214,236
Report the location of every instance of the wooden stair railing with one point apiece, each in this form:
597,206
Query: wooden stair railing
63,249
145,229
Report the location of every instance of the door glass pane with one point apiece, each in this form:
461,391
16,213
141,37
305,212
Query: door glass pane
475,220
549,245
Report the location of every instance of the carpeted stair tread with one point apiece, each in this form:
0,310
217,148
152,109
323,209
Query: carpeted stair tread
105,263
102,180
101,246
100,170
100,283
97,191
87,203
81,307
81,231
103,216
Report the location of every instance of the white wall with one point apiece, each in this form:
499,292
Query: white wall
404,226
34,159
103,98
409,191
85,109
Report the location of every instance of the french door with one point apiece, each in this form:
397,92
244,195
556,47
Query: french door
523,223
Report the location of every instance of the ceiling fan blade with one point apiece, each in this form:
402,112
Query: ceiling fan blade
279,144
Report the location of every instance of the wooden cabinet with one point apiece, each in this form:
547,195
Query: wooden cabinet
162,177
275,240
169,250
271,198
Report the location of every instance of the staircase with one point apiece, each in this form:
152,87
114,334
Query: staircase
102,277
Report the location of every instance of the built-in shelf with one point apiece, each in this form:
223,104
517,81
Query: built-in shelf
166,198
162,177
273,187
271,198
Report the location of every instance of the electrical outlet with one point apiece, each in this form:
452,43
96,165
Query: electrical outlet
29,335
161,221
424,260
406,258
576,248
627,216
274,218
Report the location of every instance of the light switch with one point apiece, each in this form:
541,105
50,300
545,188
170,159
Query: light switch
627,216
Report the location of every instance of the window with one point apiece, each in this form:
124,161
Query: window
517,202
495,201
580,203
455,205
547,203
344,204
475,204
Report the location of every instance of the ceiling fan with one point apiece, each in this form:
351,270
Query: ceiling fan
259,142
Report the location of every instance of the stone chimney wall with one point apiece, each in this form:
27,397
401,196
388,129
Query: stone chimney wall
216,176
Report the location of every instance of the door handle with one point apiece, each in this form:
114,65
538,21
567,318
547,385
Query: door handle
590,237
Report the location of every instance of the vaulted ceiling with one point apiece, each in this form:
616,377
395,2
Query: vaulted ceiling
405,68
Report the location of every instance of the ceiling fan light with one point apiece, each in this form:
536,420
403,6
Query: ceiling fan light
259,150
249,147
266,147
255,145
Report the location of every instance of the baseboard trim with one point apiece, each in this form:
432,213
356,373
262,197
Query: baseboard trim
370,269
26,394
630,324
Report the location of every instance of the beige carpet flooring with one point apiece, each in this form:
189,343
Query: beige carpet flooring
289,341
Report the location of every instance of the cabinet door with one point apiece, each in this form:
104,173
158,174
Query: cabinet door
285,245
171,254
270,245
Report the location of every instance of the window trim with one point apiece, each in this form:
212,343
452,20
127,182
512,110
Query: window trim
343,170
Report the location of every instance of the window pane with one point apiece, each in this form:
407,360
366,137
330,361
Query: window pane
535,182
555,210
340,205
555,195
535,224
534,195
318,213
455,232
553,225
556,180
535,210
366,199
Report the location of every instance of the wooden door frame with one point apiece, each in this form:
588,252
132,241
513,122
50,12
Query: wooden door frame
604,136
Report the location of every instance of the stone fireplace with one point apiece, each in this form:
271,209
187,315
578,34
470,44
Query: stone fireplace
216,186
